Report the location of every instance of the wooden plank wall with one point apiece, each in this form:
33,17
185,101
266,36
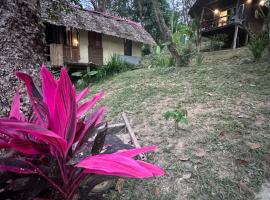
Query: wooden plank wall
56,54
95,53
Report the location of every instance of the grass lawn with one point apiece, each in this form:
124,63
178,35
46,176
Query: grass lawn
224,153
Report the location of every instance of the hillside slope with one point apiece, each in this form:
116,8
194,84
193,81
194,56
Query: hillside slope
224,151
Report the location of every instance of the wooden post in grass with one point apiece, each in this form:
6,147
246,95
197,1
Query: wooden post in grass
132,134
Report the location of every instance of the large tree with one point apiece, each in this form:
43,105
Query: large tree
99,5
268,25
165,32
21,45
138,10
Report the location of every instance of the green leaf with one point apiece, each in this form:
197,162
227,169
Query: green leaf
184,119
92,73
80,81
158,50
78,74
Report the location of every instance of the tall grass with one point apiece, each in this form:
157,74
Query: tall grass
258,45
114,66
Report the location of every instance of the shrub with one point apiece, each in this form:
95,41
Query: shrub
186,53
258,45
146,50
216,42
114,66
179,115
60,143
161,58
85,77
199,59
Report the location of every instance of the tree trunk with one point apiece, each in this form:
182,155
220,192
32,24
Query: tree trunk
21,45
165,32
99,5
268,21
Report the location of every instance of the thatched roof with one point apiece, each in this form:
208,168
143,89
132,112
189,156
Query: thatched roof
99,22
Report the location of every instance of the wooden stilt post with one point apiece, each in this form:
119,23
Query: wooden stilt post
235,36
200,29
246,41
237,24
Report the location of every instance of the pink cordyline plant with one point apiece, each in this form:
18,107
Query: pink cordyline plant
58,132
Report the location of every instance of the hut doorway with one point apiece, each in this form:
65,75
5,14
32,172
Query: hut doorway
95,50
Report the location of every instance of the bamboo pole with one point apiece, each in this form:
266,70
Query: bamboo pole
132,134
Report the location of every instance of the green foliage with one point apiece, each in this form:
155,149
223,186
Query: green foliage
114,66
186,53
162,58
181,34
216,42
195,31
181,38
85,77
179,115
258,45
141,11
199,59
157,50
54,71
146,50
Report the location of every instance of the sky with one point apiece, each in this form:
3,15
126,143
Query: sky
86,3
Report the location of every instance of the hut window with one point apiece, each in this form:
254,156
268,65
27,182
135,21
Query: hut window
72,37
75,38
128,47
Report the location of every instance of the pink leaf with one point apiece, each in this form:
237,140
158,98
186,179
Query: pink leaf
156,171
118,165
82,94
39,107
3,144
135,152
64,119
25,146
79,130
39,132
95,117
49,85
16,165
89,104
15,107
90,123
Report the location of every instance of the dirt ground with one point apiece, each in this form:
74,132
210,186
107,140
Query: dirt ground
224,151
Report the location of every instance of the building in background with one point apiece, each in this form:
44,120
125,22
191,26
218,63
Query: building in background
81,38
235,19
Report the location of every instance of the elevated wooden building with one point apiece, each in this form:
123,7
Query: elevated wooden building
234,18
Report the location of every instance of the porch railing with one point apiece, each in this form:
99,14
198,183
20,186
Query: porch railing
217,22
220,22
